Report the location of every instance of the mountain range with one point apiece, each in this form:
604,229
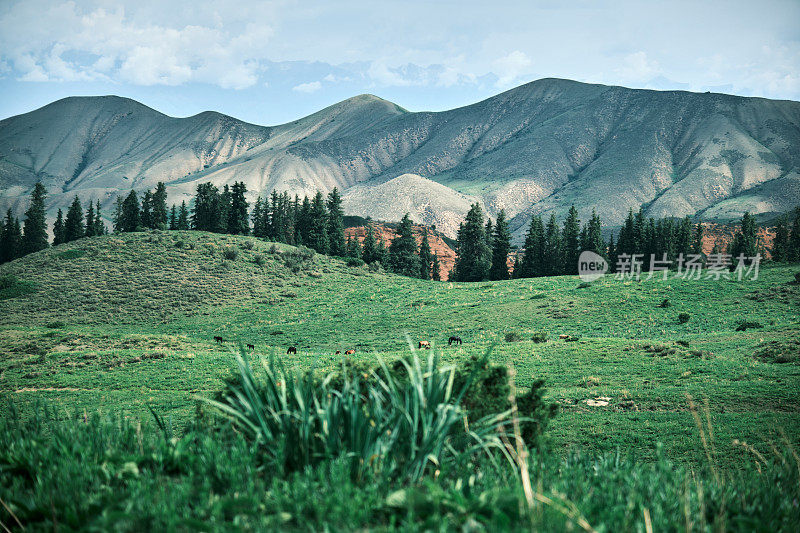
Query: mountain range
537,148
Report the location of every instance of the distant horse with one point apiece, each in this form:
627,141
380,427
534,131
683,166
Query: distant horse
424,344
291,350
452,340
251,346
349,352
337,352
219,339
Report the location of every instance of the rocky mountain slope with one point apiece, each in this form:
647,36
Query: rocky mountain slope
537,148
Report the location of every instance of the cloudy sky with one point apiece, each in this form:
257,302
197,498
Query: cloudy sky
274,61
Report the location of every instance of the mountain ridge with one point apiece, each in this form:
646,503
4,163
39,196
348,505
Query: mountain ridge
535,149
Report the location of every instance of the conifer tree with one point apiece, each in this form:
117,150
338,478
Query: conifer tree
794,238
369,251
90,225
99,225
501,245
173,218
117,221
353,247
425,256
318,231
58,229
206,212
10,238
473,258
382,253
780,244
570,243
73,224
183,217
745,241
303,225
224,202
594,236
129,217
336,244
489,232
552,249
436,274
146,213
238,219
258,218
34,234
697,242
532,260
403,257
159,207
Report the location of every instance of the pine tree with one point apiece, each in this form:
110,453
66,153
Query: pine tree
594,236
425,256
238,220
99,225
183,217
353,247
489,232
206,211
58,229
336,245
173,218
570,243
794,237
129,218
10,239
159,207
382,253
436,274
258,218
533,259
369,251
780,245
34,234
224,203
318,231
501,245
745,241
146,212
552,249
473,258
697,242
73,223
403,257
90,227
303,228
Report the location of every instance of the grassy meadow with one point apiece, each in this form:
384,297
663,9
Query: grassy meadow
118,325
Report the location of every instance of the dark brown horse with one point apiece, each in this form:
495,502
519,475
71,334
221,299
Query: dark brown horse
452,340
291,350
219,339
251,346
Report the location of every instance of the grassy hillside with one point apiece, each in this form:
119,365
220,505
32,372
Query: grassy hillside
123,321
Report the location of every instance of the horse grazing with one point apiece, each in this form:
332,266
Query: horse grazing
251,346
291,350
452,340
337,352
219,340
424,344
349,352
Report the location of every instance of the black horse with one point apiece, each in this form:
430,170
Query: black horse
291,350
218,339
452,340
251,346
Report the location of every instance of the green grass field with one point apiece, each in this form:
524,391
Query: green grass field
118,323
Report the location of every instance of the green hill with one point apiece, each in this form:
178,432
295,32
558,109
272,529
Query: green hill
122,321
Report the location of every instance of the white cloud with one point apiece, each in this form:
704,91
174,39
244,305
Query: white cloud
637,68
511,67
310,87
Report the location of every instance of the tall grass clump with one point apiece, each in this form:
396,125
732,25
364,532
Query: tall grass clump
394,425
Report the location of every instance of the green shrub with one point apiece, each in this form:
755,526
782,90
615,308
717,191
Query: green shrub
71,254
513,336
179,244
56,324
354,262
744,325
12,287
665,303
231,254
539,337
683,318
584,285
259,260
247,245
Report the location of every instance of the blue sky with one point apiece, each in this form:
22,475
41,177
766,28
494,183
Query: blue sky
275,61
